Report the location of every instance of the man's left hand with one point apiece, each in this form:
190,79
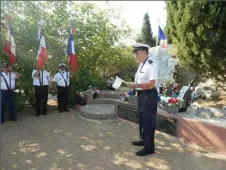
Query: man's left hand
17,75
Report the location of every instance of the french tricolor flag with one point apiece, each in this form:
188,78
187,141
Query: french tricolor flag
10,46
72,57
42,53
162,38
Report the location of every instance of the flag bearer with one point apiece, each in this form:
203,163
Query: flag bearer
8,81
61,80
145,83
41,79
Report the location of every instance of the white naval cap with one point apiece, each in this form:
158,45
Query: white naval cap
4,65
140,46
61,64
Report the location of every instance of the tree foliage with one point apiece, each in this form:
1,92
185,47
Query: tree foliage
197,28
146,35
96,41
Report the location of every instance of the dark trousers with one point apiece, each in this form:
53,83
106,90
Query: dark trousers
41,99
140,112
62,93
10,97
147,105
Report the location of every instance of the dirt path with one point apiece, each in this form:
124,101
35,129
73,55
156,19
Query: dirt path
66,142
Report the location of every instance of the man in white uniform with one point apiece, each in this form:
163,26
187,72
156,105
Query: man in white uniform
62,82
145,82
41,79
8,82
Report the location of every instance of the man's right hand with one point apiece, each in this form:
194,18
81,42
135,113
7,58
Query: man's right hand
36,74
55,87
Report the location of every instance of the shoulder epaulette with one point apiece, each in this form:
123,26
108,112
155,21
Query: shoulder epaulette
150,61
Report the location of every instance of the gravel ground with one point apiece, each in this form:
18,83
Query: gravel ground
67,142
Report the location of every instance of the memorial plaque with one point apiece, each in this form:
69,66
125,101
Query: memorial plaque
183,91
128,113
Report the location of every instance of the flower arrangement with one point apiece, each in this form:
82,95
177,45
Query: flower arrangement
170,88
132,93
124,96
93,90
171,101
90,90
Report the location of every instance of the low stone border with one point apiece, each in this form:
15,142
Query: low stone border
210,112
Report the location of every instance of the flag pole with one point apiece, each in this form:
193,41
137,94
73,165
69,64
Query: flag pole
69,27
157,40
38,38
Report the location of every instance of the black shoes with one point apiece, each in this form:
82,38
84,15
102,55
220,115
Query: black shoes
145,152
38,114
64,110
13,119
138,143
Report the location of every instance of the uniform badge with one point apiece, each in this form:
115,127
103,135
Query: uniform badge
150,61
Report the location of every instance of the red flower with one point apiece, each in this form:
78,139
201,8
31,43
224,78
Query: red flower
177,86
171,100
174,100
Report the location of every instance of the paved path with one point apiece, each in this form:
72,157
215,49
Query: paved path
66,142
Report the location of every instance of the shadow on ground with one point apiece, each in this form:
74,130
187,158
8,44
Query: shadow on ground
66,142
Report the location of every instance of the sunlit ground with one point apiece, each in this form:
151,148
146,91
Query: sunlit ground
66,142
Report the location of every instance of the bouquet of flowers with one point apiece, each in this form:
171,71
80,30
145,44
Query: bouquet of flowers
171,101
124,96
132,93
90,90
170,88
93,90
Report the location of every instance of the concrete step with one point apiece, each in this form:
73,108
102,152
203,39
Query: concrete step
98,111
109,94
105,101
